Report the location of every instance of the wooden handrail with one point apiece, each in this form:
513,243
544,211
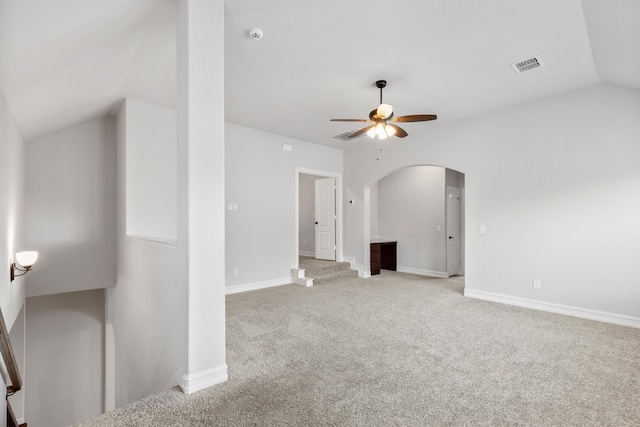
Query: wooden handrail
12,369
9,358
12,421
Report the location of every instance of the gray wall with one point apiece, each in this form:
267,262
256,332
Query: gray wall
151,173
261,179
71,208
148,308
64,358
12,228
555,182
411,205
12,223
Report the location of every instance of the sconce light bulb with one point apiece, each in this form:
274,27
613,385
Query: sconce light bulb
27,258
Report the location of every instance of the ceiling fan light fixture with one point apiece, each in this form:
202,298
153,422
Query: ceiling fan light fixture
378,118
384,111
389,130
381,132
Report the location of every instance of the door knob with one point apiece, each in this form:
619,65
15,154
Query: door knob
451,237
316,222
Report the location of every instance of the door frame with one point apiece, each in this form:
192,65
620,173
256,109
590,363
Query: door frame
459,242
339,210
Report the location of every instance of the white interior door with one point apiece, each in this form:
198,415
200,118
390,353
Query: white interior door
453,231
326,219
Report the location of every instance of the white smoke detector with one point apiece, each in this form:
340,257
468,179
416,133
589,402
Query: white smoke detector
256,33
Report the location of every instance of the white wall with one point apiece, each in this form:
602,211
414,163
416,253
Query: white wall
555,182
374,203
12,230
71,209
148,307
151,170
64,358
411,205
12,223
306,217
200,100
261,180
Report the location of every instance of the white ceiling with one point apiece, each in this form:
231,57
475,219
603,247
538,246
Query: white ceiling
63,62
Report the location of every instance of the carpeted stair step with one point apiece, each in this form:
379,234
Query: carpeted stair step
325,268
322,271
330,276
325,271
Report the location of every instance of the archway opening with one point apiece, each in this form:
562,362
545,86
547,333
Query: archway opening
421,208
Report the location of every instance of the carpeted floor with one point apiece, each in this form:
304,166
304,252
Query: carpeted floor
404,350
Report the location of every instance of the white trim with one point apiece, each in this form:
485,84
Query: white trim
109,367
297,277
196,382
420,272
307,253
584,313
303,281
235,289
155,242
339,208
356,267
366,233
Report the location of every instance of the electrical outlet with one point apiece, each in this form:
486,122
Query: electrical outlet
536,284
235,271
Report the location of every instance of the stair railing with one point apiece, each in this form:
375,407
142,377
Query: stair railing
10,364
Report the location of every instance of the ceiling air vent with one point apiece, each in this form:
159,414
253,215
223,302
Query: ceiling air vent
345,136
528,64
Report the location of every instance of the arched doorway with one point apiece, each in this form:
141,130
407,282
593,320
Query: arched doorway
421,207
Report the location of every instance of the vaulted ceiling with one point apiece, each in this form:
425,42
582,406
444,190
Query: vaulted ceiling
63,62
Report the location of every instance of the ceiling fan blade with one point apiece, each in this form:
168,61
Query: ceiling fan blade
349,120
400,133
415,118
361,131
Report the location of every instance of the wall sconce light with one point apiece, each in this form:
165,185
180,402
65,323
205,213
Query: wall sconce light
23,263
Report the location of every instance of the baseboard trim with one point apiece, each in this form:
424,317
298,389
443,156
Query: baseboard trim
307,253
196,382
600,316
236,289
419,272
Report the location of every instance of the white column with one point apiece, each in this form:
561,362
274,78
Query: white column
200,36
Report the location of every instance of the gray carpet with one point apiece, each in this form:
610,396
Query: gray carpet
403,350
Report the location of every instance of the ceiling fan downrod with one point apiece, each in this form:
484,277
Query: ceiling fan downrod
381,84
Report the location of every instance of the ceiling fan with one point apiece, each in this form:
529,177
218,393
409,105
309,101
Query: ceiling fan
383,114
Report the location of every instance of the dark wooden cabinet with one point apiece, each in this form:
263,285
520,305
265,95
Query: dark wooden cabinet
383,255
